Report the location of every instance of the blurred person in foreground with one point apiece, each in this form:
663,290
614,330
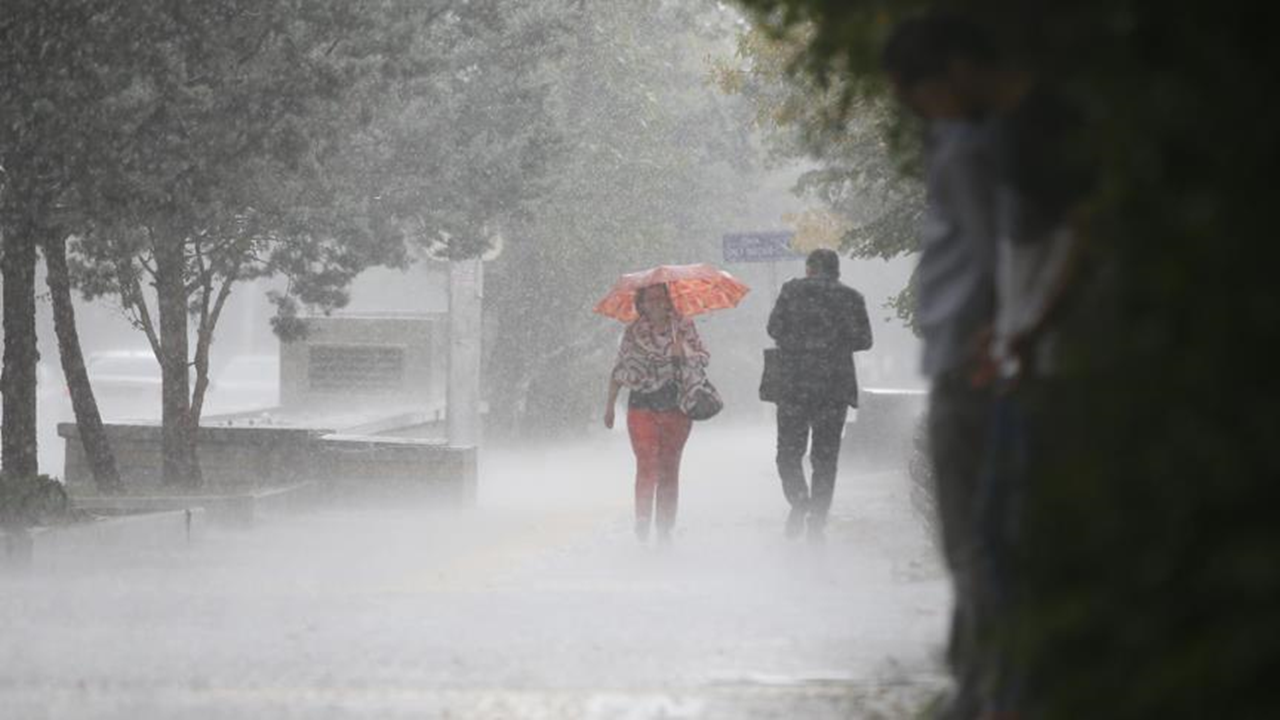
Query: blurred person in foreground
935,66
945,69
657,347
818,323
1042,273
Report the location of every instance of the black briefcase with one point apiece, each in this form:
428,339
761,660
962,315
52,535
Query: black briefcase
773,381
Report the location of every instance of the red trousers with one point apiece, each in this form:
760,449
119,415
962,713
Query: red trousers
658,440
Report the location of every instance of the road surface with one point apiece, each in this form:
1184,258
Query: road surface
539,603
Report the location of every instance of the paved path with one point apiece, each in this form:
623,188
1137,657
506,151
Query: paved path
537,604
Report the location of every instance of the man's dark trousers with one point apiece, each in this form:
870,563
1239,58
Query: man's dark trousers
959,424
796,420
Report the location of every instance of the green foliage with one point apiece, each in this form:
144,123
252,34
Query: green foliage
1150,600
457,153
288,138
845,131
849,132
286,323
218,125
27,501
191,146
652,165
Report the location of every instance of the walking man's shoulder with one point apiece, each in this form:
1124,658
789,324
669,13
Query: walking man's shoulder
792,286
848,291
846,295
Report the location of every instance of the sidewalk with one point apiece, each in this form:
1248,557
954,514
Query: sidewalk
539,603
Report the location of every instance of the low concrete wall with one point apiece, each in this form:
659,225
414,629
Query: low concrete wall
240,461
87,543
395,465
882,434
241,509
232,459
418,341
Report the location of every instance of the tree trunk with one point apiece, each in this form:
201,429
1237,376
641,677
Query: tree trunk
510,376
93,436
209,316
18,380
180,465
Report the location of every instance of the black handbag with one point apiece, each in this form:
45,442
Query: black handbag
699,399
704,403
773,379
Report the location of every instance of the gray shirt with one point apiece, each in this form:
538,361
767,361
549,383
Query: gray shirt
1026,275
955,286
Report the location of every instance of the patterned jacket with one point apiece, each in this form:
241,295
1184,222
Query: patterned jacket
648,360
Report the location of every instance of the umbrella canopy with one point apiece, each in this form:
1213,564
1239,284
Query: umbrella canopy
694,289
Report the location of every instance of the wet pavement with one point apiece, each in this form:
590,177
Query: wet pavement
538,603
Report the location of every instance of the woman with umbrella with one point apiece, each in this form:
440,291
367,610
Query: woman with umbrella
659,354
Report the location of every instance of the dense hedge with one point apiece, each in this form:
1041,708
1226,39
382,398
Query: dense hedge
1158,550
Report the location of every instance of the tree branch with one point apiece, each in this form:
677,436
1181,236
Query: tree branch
202,276
204,341
129,284
150,268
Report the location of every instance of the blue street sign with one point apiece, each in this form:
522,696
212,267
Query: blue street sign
760,247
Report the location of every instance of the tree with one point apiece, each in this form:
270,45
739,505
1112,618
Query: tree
93,436
1162,602
206,144
460,151
652,168
870,201
18,267
47,99
213,148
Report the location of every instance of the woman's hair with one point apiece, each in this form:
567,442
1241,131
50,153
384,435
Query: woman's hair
640,293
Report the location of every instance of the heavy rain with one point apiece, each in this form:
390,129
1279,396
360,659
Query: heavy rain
594,359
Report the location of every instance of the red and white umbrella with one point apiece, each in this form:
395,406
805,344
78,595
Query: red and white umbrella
694,289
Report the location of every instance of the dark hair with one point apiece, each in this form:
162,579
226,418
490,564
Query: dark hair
640,292
924,47
823,262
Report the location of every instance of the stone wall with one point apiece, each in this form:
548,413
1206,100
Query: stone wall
376,359
237,460
882,434
362,402
232,459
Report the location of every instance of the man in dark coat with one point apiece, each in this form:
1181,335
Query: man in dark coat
818,323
